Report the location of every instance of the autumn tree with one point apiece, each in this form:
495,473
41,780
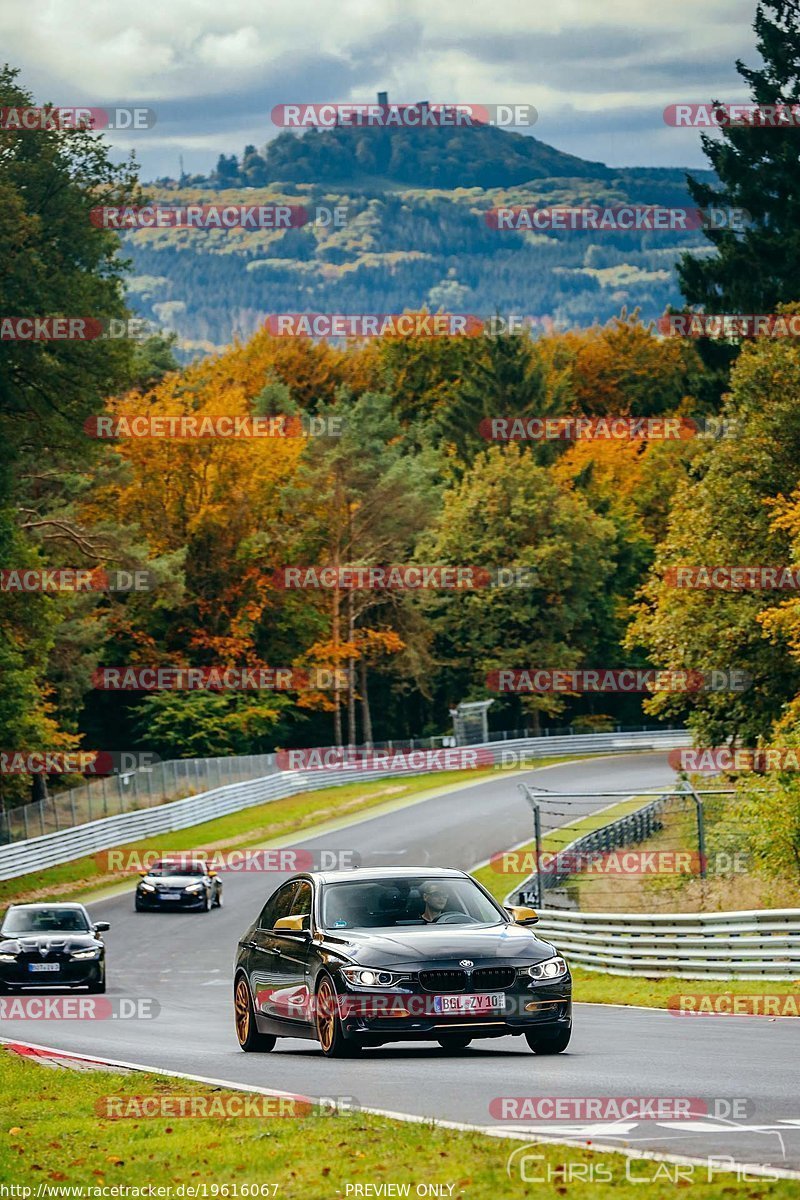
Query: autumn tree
731,512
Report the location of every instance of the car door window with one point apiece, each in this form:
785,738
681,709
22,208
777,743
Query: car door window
301,905
278,906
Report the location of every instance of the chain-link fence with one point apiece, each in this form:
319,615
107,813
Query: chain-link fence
146,787
678,851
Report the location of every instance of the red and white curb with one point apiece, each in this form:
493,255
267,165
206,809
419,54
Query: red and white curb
60,1059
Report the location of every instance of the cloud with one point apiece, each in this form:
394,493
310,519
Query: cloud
599,75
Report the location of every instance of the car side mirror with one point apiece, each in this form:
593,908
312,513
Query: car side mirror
101,926
521,915
291,924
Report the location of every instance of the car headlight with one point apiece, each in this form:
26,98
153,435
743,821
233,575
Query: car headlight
195,887
146,887
369,977
90,952
551,968
8,958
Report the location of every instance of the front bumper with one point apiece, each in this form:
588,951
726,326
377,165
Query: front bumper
69,975
394,1015
156,900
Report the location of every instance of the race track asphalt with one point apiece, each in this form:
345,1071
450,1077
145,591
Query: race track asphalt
184,961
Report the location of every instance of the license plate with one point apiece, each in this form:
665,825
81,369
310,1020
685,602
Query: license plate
170,895
44,966
481,1003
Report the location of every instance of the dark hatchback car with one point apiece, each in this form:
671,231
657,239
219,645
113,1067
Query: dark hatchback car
364,957
169,885
51,945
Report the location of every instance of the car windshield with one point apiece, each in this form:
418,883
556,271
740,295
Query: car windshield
45,920
417,902
177,868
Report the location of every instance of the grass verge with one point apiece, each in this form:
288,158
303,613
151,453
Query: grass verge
597,987
52,1137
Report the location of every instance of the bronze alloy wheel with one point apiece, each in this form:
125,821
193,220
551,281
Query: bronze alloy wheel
329,1028
326,1015
246,1032
241,1003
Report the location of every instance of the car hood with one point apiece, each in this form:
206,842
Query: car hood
412,947
28,942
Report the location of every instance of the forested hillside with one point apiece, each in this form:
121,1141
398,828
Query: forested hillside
415,235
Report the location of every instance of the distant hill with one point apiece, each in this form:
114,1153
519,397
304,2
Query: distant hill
438,157
415,236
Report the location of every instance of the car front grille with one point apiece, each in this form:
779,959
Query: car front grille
493,978
443,981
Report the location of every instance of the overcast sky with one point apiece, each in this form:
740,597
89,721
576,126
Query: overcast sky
600,74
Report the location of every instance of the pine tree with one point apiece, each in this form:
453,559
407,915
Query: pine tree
759,170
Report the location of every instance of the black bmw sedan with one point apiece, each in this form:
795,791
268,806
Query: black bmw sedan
51,945
360,958
175,884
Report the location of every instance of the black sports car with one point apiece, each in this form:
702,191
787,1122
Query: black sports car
51,945
172,885
359,958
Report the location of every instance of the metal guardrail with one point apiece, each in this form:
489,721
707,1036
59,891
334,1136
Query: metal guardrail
175,778
757,944
34,854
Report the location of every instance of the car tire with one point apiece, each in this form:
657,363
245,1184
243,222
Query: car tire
454,1043
330,1034
138,906
250,1040
550,1042
99,987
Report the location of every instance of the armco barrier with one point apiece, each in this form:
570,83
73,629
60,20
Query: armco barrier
34,854
762,944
